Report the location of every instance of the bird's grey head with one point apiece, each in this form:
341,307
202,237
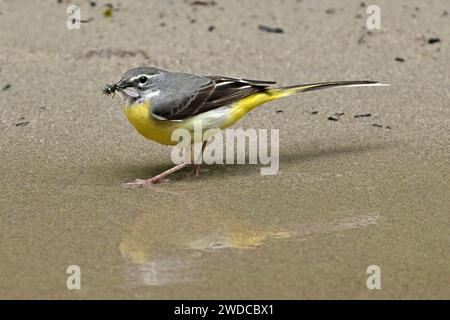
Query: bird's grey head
137,84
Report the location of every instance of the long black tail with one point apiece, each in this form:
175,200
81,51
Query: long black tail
324,85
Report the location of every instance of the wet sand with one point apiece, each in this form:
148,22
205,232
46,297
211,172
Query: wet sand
348,194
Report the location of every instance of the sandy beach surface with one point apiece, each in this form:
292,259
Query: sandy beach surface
350,193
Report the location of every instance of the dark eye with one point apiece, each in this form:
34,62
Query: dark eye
143,79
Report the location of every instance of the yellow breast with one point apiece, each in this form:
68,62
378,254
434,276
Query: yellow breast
160,131
151,128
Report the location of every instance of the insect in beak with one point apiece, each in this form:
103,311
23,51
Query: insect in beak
109,88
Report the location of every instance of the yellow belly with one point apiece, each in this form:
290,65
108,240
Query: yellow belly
139,116
157,130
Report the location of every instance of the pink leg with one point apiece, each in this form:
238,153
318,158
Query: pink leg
197,167
155,179
159,177
196,171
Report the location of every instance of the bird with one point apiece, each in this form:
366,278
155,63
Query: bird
157,102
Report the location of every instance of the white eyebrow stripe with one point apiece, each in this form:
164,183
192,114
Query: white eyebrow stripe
146,75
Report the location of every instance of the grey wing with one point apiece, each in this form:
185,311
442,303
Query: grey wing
194,95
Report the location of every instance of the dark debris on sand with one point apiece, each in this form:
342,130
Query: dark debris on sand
434,40
336,116
108,53
21,122
380,126
270,29
87,20
362,115
203,3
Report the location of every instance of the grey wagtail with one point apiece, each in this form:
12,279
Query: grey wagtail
157,102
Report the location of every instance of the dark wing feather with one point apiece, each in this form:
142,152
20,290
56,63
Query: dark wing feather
214,93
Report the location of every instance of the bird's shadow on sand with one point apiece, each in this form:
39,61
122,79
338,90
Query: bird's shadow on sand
296,154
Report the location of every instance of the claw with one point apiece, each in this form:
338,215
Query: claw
140,183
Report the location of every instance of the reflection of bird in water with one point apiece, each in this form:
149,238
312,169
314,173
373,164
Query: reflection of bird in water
174,258
159,258
236,239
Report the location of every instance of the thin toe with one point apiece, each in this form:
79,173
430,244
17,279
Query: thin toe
140,183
